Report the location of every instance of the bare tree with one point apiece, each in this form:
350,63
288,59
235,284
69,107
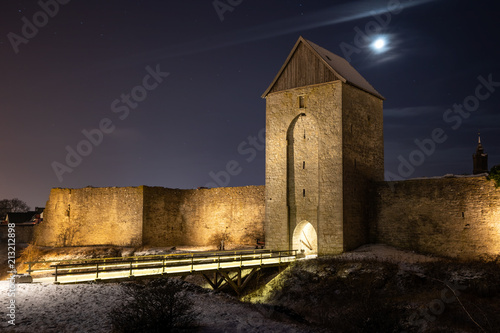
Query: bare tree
12,205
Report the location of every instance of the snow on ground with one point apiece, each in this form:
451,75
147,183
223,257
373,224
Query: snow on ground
449,175
85,307
60,308
387,253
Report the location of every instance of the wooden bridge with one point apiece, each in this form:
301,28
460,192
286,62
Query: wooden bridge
218,268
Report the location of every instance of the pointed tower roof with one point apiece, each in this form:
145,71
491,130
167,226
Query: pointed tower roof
480,158
479,145
340,68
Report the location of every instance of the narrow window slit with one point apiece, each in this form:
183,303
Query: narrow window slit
304,193
301,102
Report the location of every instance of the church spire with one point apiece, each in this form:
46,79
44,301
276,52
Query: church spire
479,159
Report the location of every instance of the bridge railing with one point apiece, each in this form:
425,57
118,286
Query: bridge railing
186,263
44,265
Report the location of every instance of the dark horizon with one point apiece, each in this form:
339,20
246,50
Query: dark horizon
168,95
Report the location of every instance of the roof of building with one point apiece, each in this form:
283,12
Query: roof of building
338,65
21,217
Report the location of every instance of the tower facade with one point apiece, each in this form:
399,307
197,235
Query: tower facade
324,146
479,159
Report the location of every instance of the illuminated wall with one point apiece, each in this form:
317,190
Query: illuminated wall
196,217
155,216
92,216
455,217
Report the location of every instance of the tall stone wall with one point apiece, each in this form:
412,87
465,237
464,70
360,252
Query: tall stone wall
363,160
163,222
456,217
197,217
155,216
92,216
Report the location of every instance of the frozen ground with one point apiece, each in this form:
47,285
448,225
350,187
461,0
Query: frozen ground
387,253
84,308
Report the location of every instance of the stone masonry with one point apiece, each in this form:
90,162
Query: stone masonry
449,216
154,216
324,146
324,190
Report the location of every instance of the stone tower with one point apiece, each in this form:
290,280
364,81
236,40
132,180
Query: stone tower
480,159
324,146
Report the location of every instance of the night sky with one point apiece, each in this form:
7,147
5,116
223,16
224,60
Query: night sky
205,70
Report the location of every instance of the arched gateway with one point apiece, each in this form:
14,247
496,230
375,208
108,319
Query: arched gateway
305,239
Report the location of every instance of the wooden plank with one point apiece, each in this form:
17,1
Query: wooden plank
230,282
218,281
214,286
248,278
305,68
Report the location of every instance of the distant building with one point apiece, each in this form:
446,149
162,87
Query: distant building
31,217
480,159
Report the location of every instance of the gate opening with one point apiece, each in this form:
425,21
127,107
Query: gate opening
305,239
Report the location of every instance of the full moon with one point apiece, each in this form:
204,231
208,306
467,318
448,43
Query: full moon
379,44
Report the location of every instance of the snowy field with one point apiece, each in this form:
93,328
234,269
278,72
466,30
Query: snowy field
84,308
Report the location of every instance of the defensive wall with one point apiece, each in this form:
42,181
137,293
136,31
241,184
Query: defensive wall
452,216
92,216
199,217
154,216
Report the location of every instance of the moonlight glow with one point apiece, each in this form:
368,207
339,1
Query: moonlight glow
379,44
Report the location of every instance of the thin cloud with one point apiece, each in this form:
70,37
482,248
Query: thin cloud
334,15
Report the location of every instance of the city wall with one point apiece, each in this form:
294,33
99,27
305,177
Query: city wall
154,216
449,216
201,217
92,216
